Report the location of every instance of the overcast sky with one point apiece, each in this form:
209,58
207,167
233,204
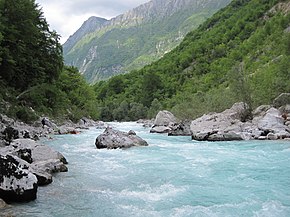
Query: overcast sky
66,16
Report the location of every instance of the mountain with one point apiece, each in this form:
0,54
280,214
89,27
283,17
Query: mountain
242,53
136,38
89,26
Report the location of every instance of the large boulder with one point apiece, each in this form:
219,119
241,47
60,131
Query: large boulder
165,118
273,122
113,139
224,126
42,160
17,183
166,122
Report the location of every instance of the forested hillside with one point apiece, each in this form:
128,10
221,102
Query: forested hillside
242,53
33,79
135,38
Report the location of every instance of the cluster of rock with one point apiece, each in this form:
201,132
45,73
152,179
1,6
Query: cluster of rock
11,129
268,122
26,164
113,139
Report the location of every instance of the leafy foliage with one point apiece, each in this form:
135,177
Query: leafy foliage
31,53
33,80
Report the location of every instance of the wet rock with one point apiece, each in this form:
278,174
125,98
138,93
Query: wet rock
17,183
42,160
146,123
160,129
2,204
43,178
112,139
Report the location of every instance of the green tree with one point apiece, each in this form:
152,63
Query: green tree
241,86
154,108
31,53
150,88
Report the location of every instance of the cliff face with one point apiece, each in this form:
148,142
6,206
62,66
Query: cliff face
103,48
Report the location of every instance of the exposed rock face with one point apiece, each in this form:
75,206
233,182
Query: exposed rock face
113,139
17,183
267,123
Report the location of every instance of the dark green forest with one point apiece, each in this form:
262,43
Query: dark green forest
242,53
33,79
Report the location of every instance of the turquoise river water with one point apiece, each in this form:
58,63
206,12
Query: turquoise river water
173,176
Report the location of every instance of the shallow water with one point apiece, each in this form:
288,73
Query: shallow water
173,176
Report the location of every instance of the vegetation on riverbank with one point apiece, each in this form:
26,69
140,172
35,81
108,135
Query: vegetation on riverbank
33,79
242,53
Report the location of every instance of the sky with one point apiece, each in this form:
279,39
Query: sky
66,16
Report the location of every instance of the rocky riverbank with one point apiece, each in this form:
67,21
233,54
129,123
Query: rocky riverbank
25,163
267,122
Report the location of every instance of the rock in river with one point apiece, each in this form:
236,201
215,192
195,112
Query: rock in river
17,183
112,139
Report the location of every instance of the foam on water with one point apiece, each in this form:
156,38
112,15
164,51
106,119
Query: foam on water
173,176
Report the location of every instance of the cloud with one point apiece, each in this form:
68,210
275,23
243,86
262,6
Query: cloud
66,16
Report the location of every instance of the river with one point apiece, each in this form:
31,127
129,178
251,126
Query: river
173,176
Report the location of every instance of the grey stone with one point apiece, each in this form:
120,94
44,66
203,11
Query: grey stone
17,183
165,118
272,136
112,139
160,129
273,121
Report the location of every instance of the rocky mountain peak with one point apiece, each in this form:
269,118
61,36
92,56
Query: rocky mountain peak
90,25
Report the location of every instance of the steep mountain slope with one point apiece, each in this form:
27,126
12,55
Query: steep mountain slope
89,26
137,37
241,53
